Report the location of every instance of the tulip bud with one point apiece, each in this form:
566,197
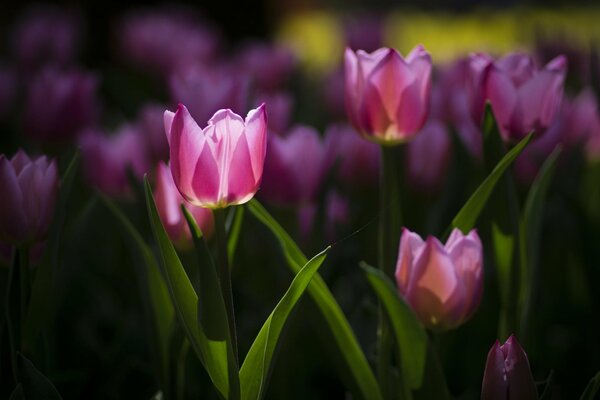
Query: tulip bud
60,104
293,167
29,190
387,96
442,283
507,374
523,98
168,203
222,164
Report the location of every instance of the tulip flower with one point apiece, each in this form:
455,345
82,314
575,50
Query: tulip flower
293,167
29,190
442,283
106,159
507,374
523,98
222,164
168,203
387,96
428,155
59,105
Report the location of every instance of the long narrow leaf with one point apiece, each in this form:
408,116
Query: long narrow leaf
468,214
592,388
234,233
410,335
158,295
212,354
258,363
331,311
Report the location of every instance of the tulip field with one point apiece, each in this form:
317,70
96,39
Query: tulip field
332,204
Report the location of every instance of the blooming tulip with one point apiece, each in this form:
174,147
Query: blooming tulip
442,283
60,104
293,167
219,165
387,96
507,374
168,202
522,97
29,190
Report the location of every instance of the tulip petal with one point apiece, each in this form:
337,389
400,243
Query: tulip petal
256,137
518,373
19,161
168,121
241,185
206,181
12,215
353,82
518,66
504,99
495,385
410,248
187,145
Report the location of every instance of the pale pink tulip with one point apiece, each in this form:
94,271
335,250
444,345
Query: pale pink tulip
442,283
222,164
387,96
168,202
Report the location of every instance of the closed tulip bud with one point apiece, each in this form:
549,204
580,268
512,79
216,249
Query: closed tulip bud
60,104
507,374
293,167
168,203
442,283
29,190
428,155
523,98
222,164
387,96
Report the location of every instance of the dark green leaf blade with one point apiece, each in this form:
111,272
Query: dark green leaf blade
234,232
35,384
592,388
212,354
468,214
331,311
257,366
410,335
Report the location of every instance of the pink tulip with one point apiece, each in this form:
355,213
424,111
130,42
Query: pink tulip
59,105
205,90
387,96
507,374
428,156
523,98
168,203
357,162
442,283
219,165
293,167
106,159
29,190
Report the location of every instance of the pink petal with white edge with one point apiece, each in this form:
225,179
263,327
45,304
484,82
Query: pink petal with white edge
256,137
168,121
241,184
411,246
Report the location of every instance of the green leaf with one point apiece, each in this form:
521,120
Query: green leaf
162,312
591,389
467,216
410,335
331,311
18,393
40,301
531,224
212,313
256,369
35,384
234,232
212,354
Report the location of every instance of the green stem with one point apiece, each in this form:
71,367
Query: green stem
25,280
225,275
183,351
389,234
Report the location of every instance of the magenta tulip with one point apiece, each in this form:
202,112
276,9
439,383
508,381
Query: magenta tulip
222,164
168,202
29,190
59,105
442,283
428,156
507,374
106,159
523,98
293,167
387,96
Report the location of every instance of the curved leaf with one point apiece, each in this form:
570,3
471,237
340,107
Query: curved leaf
592,388
257,366
410,335
334,317
212,354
